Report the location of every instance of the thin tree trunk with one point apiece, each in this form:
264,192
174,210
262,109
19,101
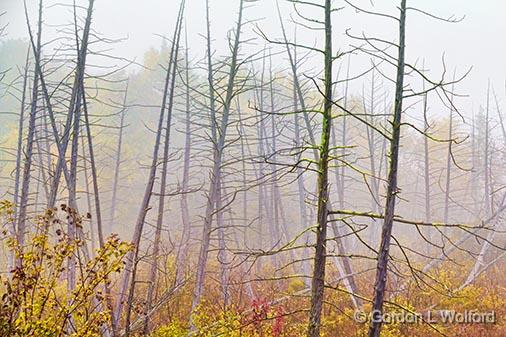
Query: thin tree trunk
25,188
185,212
117,164
427,171
449,163
87,190
139,225
161,201
488,207
217,158
222,252
344,141
19,154
82,51
392,189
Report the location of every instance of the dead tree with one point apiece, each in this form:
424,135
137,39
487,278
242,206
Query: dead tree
391,195
82,52
163,188
318,279
17,178
131,258
117,163
185,212
220,131
487,192
25,185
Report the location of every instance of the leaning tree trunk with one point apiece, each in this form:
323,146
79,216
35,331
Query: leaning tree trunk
161,201
19,152
82,52
25,187
139,225
392,189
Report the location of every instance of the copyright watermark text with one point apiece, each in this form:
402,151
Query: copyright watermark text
431,317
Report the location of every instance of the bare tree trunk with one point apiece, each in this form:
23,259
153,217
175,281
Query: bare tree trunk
427,171
25,187
392,189
275,202
19,154
217,161
449,163
98,212
488,207
161,200
139,225
344,142
304,218
222,251
318,280
371,141
73,119
82,51
88,193
245,220
298,87
185,212
117,164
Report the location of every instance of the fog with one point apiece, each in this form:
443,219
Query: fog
256,168
475,42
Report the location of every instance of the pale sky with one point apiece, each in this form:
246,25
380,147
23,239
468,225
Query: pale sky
478,41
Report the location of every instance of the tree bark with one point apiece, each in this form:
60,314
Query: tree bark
318,280
392,188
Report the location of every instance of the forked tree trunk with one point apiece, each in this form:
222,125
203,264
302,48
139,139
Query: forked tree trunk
217,160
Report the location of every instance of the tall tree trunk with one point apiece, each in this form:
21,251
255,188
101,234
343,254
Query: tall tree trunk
217,160
25,187
82,51
320,257
117,164
449,162
344,142
161,200
488,207
426,175
19,154
185,212
392,189
73,118
139,225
